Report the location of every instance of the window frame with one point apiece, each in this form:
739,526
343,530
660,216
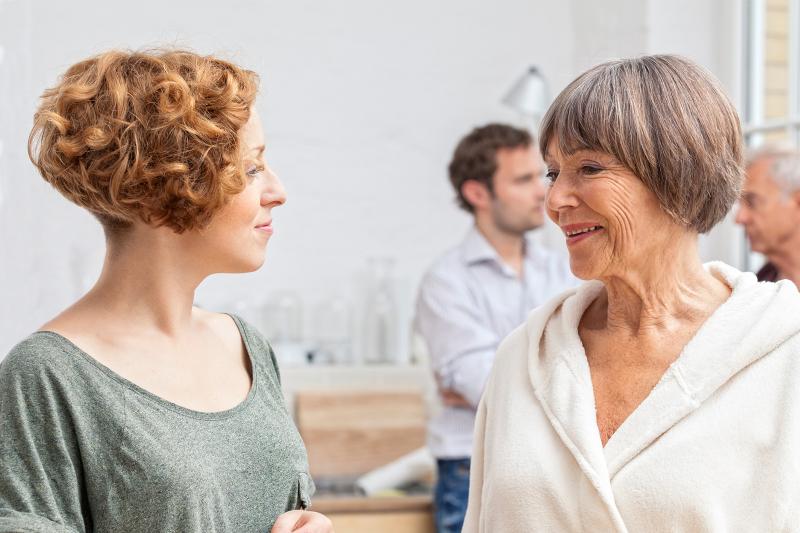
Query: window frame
755,125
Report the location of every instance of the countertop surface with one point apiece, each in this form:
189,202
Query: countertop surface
362,504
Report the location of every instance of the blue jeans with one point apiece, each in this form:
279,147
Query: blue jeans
450,495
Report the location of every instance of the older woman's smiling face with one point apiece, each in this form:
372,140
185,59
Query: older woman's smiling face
612,222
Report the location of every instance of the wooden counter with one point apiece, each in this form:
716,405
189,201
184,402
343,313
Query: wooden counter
403,514
351,441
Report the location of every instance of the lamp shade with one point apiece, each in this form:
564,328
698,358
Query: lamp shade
529,95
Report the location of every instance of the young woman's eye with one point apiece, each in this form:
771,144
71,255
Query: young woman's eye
254,171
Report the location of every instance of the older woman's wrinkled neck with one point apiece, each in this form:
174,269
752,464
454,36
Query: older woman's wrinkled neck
661,291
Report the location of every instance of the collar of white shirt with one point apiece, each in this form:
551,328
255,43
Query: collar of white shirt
476,249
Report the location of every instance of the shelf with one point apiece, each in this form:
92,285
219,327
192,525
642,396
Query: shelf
384,378
355,504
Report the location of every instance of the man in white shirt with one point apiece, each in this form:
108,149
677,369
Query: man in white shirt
478,292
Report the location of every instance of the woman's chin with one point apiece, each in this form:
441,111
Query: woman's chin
244,265
255,264
582,269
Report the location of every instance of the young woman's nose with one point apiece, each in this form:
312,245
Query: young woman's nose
274,192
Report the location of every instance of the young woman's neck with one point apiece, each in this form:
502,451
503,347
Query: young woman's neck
149,279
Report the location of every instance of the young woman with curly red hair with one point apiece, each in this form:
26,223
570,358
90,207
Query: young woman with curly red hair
133,410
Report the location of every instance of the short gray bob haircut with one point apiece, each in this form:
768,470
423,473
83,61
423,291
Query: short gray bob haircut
668,121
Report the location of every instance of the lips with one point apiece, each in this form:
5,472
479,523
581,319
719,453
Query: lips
577,232
573,233
266,227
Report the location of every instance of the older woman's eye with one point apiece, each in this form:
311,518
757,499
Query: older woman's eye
590,169
550,176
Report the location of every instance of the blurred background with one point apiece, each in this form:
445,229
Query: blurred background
362,103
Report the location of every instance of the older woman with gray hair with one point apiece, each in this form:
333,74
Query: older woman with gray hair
662,394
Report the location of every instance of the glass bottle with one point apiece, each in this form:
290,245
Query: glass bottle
380,326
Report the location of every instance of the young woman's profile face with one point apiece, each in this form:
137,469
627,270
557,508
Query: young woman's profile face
239,233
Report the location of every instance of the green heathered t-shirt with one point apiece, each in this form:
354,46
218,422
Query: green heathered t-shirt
83,449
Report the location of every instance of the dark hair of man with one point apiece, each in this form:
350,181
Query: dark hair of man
475,157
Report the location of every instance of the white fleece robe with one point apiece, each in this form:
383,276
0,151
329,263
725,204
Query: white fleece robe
714,447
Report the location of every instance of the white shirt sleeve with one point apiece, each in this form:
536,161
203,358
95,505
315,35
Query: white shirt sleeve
460,343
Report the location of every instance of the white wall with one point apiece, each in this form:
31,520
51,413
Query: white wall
362,102
709,32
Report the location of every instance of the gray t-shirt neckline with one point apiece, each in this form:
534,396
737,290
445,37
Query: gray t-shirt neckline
84,449
74,349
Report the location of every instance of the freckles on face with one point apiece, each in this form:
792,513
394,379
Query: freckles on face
621,212
232,236
593,188
640,228
242,229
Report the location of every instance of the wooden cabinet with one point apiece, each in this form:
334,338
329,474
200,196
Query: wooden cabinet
349,433
352,420
408,514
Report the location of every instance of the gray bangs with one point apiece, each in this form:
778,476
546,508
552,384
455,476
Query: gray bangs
664,118
590,114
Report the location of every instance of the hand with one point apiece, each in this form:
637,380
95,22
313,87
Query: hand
450,397
302,522
453,399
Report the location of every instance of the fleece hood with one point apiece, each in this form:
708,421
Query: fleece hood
754,321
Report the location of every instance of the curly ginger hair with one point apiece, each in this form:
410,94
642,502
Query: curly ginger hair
149,136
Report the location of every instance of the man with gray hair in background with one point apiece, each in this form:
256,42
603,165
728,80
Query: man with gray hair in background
769,210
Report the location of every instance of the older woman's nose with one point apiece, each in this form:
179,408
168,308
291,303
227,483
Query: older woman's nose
560,195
